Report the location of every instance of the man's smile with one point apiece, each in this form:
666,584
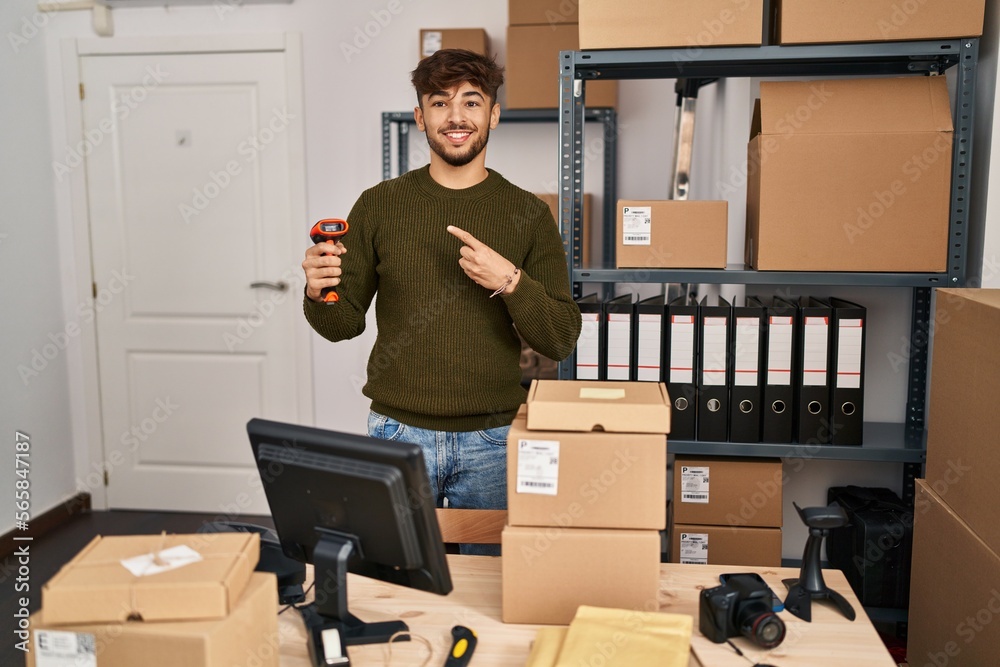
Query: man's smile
458,137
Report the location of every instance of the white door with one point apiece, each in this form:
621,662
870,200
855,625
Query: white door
196,290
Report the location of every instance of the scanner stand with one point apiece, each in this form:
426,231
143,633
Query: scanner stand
810,584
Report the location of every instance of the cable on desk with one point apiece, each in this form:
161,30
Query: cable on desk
426,642
744,656
304,595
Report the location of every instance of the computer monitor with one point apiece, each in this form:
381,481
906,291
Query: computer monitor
349,503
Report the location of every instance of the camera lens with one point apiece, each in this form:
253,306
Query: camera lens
765,629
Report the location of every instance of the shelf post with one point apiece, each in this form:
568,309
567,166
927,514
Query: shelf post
571,117
964,118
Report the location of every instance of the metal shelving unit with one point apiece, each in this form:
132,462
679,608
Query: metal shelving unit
608,117
904,442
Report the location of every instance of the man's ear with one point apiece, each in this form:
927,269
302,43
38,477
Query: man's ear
418,116
494,115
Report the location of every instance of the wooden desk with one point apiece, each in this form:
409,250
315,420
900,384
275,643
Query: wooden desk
829,641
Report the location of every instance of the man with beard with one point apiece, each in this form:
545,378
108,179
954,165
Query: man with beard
462,260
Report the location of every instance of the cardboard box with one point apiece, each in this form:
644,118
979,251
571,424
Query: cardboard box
822,21
588,405
725,545
549,572
632,24
963,462
671,234
727,491
542,12
954,590
850,175
435,39
248,636
586,480
553,202
96,586
533,68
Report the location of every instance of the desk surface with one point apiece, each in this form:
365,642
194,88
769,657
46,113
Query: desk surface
830,640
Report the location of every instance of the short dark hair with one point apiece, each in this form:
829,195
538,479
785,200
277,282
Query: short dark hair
448,68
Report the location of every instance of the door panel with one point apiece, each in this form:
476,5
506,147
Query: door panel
189,198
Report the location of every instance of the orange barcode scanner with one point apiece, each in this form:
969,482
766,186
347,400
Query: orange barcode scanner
328,230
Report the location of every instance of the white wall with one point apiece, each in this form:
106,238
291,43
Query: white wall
350,78
34,397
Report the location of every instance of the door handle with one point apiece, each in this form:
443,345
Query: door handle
279,286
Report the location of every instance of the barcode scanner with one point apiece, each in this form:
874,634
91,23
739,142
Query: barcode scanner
328,230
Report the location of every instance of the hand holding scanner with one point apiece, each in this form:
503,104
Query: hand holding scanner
328,230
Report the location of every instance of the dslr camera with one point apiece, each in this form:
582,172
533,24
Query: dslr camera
741,606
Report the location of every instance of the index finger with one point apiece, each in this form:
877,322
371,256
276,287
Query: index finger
465,237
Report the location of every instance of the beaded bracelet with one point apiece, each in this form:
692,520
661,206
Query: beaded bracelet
510,279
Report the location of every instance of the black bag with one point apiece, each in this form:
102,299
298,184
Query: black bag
873,551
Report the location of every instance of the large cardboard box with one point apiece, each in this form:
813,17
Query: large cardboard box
727,491
533,68
822,21
471,39
850,175
586,480
963,461
542,12
671,234
247,636
589,405
954,589
119,577
630,24
548,572
725,545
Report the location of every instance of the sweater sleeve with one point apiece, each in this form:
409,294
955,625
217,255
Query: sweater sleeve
542,305
358,282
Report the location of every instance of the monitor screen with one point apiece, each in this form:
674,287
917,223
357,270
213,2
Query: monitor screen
350,503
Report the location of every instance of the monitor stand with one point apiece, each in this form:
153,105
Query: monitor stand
331,627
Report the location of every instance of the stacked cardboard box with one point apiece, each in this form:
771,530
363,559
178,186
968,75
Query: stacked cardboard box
726,511
537,31
819,21
954,590
470,39
586,499
671,234
693,24
191,600
850,175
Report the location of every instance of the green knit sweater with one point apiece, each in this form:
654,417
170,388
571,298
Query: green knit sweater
447,357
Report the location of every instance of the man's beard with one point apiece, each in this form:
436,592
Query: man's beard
440,148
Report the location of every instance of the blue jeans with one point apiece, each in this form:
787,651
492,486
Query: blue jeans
469,468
